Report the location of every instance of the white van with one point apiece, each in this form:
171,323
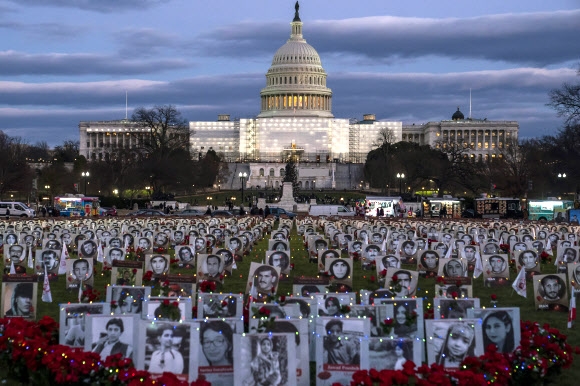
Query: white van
17,209
330,210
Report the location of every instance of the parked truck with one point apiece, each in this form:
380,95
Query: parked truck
498,207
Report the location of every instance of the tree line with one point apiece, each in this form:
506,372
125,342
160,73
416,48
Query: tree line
163,163
535,168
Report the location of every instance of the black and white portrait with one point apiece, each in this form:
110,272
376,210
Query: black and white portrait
449,342
109,335
73,322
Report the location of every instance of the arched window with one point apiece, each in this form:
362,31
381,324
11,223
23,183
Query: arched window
261,172
271,172
307,185
282,172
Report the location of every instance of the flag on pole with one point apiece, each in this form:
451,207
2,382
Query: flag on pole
81,291
478,269
30,262
519,285
572,312
100,254
63,257
46,294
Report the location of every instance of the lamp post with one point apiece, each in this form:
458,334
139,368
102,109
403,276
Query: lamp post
47,188
243,177
561,176
85,175
400,176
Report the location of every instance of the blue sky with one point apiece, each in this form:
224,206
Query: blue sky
65,61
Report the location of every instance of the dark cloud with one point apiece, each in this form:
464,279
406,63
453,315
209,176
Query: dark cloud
537,39
104,6
17,63
44,31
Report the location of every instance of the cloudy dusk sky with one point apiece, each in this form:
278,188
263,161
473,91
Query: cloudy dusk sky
66,61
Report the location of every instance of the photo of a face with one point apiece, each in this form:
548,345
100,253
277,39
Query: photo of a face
551,293
158,264
528,259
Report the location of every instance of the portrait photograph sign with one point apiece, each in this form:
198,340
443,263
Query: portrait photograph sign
210,267
391,354
228,258
496,272
167,309
401,282
108,335
125,272
298,329
178,285
308,286
16,254
168,347
340,271
113,253
269,359
342,347
452,268
333,304
216,349
127,300
73,316
428,263
79,271
574,279
219,306
500,326
185,256
406,316
529,260
158,264
450,341
550,292
454,287
446,308
19,296
280,259
263,280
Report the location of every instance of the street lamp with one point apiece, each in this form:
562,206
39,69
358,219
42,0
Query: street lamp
85,175
243,177
47,188
562,175
400,176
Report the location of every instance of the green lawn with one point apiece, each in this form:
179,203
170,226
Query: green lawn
361,280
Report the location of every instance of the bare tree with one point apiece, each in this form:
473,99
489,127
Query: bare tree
566,101
15,174
166,129
385,135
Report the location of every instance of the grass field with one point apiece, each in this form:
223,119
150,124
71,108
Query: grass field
361,280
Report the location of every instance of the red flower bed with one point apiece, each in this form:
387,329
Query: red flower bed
542,354
30,354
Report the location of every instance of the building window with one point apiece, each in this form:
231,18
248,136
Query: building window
261,172
282,172
271,172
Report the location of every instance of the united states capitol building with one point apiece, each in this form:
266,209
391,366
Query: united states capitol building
296,122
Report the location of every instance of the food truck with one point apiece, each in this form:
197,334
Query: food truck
75,205
389,205
498,207
546,209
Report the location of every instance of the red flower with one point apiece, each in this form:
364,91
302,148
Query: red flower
389,321
373,279
493,297
454,295
324,375
395,278
134,271
282,299
165,302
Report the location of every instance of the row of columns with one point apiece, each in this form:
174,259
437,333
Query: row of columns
296,101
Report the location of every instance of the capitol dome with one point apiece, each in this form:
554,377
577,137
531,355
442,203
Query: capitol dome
296,80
